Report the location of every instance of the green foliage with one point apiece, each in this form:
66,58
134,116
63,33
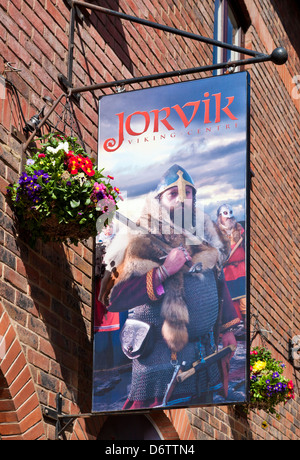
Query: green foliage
268,386
61,193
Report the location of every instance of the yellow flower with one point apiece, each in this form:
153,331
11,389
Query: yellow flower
259,366
264,424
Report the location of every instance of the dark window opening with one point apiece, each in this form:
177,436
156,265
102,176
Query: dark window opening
231,21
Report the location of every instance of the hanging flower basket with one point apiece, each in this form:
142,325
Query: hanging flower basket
61,194
268,386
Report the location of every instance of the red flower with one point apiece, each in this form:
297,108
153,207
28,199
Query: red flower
73,165
77,162
89,171
41,155
88,163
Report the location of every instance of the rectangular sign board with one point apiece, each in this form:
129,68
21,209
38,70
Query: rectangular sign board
171,326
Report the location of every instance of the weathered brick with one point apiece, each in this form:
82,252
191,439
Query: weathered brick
25,302
7,291
15,313
40,296
49,382
7,258
18,281
38,360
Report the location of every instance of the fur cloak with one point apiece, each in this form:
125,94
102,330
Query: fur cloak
232,229
136,253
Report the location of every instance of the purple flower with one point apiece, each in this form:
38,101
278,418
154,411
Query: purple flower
275,375
100,195
29,186
24,178
42,173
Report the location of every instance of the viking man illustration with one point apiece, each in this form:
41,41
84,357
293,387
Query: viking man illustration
167,272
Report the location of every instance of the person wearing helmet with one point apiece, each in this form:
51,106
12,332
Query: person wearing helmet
234,268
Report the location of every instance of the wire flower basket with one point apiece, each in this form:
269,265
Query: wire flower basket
268,386
61,194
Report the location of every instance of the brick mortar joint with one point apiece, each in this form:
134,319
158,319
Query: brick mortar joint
17,156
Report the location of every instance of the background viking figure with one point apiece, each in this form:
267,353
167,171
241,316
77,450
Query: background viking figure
234,269
170,278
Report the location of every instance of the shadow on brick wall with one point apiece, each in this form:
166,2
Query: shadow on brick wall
238,421
111,30
59,326
287,12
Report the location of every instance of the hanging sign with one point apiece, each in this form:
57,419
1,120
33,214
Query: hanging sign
171,296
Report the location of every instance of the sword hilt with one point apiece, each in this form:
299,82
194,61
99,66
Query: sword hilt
197,365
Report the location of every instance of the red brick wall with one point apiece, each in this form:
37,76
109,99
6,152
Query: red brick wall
46,294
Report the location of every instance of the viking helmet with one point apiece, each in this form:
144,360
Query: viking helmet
176,176
226,211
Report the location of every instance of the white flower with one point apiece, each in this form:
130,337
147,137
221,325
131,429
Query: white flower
81,177
61,146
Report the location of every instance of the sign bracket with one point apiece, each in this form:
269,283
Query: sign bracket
279,56
64,421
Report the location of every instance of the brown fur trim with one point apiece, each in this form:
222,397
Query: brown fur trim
143,252
175,335
175,313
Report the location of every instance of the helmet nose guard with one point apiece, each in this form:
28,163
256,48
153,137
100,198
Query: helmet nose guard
175,176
